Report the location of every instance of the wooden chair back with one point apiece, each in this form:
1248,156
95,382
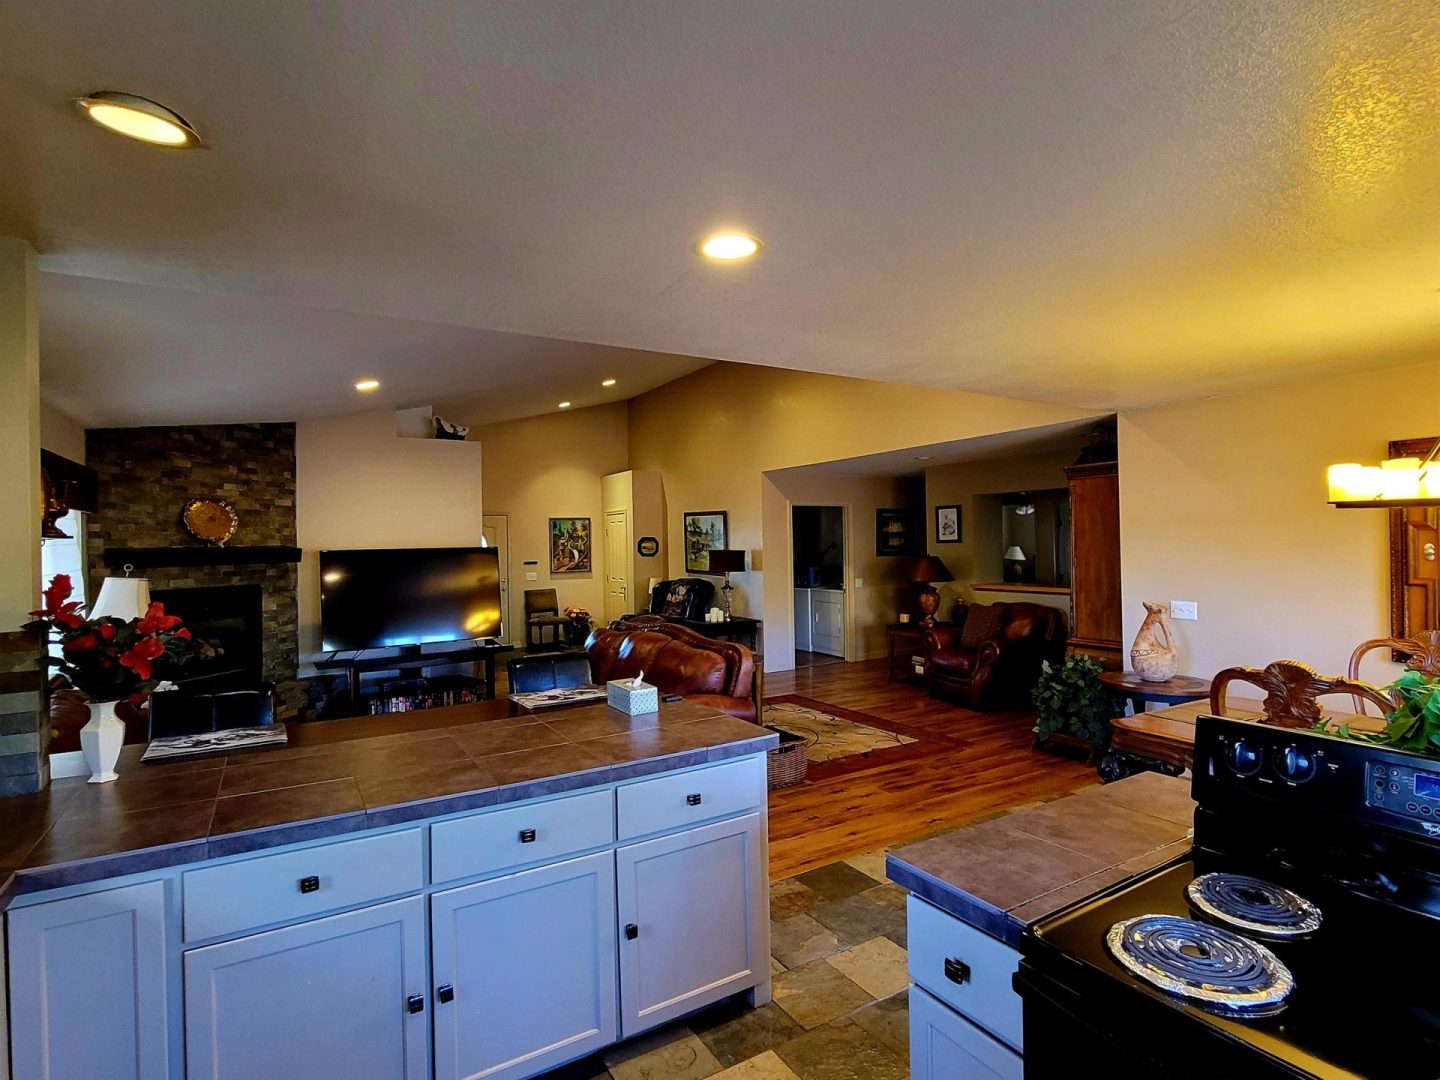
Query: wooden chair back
1419,652
1292,690
541,602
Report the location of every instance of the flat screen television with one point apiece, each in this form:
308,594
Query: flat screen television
379,598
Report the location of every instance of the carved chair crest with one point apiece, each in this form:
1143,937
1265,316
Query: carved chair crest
1292,690
1421,652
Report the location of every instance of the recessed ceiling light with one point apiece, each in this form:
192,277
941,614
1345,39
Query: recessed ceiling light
366,385
729,246
564,404
138,118
608,382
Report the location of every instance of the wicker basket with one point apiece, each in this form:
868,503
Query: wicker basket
785,765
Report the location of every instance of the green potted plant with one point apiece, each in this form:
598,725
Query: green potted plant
1414,726
1071,705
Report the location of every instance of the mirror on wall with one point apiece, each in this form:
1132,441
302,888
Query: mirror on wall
1414,567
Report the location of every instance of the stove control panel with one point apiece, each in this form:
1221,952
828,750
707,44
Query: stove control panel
1305,772
1402,789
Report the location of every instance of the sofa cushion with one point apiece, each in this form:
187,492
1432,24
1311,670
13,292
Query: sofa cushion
982,623
676,659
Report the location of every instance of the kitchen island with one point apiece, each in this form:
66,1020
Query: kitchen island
975,889
457,892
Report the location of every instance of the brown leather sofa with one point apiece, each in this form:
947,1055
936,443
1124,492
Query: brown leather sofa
674,658
995,663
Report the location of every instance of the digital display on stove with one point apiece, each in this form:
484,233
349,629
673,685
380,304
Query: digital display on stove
1427,785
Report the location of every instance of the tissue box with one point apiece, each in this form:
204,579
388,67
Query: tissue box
632,700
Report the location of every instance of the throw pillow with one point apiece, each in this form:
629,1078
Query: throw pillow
674,605
982,622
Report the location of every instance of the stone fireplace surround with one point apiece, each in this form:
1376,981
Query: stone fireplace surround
145,476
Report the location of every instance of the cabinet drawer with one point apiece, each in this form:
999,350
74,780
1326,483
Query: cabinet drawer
976,980
290,885
675,801
946,1046
498,839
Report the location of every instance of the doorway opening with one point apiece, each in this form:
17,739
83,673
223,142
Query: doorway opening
818,557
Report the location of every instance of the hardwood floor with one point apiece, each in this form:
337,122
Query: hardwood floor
977,765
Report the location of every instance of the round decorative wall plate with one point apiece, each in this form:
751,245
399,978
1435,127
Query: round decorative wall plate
211,520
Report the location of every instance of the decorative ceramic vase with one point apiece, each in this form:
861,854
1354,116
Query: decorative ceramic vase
101,740
929,603
1152,657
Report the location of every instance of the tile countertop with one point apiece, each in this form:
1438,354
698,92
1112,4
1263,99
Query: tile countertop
1003,874
344,776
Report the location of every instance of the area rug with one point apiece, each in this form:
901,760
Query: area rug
834,736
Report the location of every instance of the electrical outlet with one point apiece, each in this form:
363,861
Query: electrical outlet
1184,609
531,575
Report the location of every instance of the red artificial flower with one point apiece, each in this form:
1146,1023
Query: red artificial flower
82,642
139,656
56,609
155,620
183,632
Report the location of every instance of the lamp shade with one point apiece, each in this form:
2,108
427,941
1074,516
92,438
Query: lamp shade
928,568
727,561
122,598
1015,554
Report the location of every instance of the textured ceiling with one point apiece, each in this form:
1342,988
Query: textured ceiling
1096,202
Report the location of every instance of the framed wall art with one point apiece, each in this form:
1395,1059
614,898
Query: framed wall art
570,545
947,524
705,531
897,532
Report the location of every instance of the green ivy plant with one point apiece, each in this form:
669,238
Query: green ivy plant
1071,700
1415,725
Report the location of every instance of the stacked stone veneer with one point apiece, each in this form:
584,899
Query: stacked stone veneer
146,475
24,724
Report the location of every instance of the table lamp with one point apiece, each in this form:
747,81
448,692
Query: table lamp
926,570
123,598
727,561
1014,563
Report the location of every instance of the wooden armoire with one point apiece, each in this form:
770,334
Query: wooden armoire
1096,626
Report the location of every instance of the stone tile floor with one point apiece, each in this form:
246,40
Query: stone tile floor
837,943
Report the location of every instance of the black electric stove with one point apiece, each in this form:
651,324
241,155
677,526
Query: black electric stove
1300,937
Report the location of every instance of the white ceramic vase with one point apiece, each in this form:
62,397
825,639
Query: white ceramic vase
101,740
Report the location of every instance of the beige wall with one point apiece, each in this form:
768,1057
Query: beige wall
977,557
551,466
60,434
1223,502
359,485
712,434
873,583
19,434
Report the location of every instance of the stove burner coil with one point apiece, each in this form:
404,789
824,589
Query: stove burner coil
1255,906
1206,964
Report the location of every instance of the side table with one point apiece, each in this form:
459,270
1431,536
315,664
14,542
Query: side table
904,641
1157,741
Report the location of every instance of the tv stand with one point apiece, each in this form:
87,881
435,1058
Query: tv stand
414,658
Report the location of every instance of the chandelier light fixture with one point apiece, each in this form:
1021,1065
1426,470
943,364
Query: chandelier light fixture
1402,481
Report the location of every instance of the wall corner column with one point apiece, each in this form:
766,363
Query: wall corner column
24,726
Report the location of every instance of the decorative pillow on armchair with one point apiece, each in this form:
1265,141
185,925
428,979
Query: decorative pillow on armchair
982,622
676,600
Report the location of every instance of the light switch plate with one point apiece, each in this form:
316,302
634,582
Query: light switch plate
1184,609
531,575
859,583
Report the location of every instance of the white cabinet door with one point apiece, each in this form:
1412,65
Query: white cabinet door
946,1046
88,986
339,998
828,621
803,620
524,970
693,909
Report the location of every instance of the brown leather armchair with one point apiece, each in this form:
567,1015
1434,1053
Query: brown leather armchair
996,662
721,674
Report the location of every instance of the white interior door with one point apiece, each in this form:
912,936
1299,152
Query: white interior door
617,564
496,529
